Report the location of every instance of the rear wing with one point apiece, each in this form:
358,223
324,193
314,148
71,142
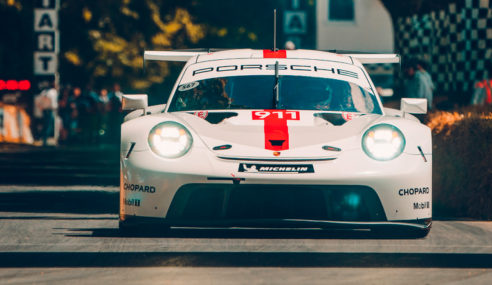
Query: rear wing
171,55
184,55
376,58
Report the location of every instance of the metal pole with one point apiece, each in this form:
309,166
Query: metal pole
274,29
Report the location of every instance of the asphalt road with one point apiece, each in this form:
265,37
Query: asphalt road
65,165
53,235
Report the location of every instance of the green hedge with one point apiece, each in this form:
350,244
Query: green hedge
462,163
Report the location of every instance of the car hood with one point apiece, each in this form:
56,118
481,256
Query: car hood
279,134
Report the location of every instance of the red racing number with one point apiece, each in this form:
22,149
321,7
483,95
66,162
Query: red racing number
276,129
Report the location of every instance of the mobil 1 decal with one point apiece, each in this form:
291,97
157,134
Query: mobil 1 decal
275,127
132,202
421,205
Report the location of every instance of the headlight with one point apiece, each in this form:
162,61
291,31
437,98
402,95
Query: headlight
170,140
383,142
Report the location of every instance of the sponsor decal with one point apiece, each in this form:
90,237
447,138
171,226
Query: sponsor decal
421,205
201,114
275,128
295,67
132,202
139,188
413,191
275,168
188,86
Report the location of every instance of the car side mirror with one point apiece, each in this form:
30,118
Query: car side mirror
413,105
134,102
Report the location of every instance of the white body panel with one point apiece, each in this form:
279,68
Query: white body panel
351,166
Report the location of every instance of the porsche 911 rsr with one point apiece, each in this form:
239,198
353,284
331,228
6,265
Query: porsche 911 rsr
260,138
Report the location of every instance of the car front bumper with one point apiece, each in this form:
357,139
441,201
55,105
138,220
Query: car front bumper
150,185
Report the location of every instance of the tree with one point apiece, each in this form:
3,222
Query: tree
103,41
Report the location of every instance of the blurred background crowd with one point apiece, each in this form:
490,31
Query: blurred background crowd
72,115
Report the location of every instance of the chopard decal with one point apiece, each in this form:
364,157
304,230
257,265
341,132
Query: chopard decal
413,191
139,188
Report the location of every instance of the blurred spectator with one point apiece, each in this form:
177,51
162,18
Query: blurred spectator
427,80
117,92
483,89
39,101
76,108
418,83
64,111
103,108
49,105
84,117
115,116
91,130
289,45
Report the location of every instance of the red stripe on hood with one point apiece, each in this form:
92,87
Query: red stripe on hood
274,54
276,129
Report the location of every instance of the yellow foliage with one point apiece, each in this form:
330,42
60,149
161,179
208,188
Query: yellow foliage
140,83
12,3
73,57
182,19
137,62
117,71
108,46
100,70
156,17
93,34
195,32
126,11
253,37
222,32
121,57
172,27
110,43
161,39
440,121
86,14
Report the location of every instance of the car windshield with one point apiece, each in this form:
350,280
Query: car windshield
257,92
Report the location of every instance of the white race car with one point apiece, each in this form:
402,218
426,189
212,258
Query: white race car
262,138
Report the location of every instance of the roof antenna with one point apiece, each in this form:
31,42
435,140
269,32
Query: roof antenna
274,29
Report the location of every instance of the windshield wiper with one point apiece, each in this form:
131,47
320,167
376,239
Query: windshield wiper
276,87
